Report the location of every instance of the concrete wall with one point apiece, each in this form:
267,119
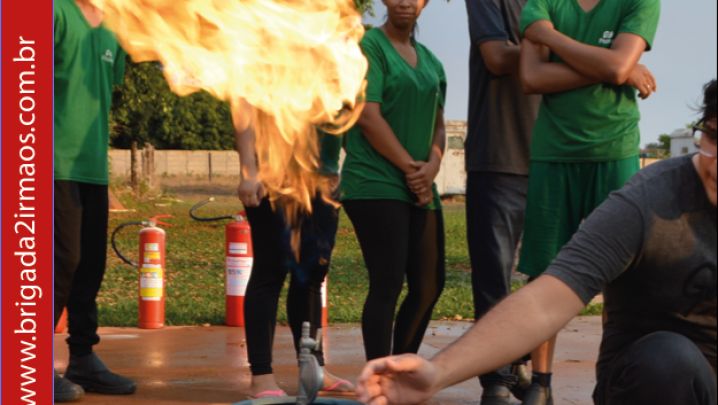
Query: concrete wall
180,162
451,179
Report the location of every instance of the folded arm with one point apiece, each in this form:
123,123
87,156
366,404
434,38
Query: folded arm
539,76
613,65
501,57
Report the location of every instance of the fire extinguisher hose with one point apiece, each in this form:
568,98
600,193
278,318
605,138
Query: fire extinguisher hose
196,218
114,245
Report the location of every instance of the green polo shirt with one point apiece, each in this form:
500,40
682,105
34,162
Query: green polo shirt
410,98
596,123
88,63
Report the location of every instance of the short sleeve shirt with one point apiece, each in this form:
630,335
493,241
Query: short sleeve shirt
651,247
595,123
501,116
88,63
410,99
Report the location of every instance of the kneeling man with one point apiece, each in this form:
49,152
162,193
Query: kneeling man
651,247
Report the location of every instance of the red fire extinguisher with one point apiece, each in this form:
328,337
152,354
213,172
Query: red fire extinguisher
238,259
152,271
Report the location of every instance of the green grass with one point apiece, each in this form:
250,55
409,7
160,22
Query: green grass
195,288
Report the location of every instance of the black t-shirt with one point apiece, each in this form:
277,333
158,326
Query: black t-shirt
501,116
652,246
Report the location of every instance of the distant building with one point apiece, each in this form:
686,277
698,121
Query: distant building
682,142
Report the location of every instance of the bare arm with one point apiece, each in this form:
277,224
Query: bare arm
382,138
527,318
612,65
501,57
422,180
251,190
539,76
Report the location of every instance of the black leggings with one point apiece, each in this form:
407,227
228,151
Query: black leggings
273,259
399,239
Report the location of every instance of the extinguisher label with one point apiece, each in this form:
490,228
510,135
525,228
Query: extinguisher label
152,247
239,269
238,248
151,280
152,255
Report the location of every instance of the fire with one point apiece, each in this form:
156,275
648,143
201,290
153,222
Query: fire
287,64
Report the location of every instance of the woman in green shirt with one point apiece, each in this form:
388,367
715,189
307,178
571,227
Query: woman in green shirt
393,156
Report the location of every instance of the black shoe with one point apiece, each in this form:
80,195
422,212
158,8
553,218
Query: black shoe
538,395
524,384
90,373
66,391
496,395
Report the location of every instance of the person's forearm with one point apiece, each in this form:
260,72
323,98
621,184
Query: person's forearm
501,58
518,325
245,136
439,143
539,76
382,138
605,65
247,153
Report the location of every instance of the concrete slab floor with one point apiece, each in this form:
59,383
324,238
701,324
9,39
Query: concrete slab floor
208,365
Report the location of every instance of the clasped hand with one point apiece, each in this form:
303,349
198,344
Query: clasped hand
421,181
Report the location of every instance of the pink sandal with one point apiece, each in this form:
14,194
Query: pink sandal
265,393
329,392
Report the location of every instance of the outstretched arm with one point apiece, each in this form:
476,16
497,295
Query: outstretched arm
613,65
515,327
539,76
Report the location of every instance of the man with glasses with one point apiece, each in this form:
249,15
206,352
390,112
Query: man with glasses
651,247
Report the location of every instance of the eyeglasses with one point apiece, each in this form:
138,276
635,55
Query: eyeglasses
699,133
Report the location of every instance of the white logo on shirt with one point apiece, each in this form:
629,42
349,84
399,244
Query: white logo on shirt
607,38
108,56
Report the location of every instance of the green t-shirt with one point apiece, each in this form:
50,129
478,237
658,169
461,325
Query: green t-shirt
596,123
88,63
409,98
330,151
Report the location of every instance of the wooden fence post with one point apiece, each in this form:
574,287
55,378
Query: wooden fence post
134,169
149,165
209,156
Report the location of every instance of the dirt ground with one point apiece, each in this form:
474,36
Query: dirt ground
208,365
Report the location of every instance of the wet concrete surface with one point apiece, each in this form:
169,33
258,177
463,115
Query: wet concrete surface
208,365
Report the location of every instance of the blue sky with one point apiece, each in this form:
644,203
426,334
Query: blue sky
684,58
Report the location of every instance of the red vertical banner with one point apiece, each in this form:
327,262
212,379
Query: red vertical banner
26,214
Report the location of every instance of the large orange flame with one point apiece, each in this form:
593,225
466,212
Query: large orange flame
297,63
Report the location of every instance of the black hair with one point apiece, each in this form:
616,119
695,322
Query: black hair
710,100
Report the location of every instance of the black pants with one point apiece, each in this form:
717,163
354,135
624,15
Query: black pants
81,216
399,239
273,260
660,369
495,210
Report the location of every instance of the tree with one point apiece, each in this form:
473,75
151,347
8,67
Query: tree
665,144
146,110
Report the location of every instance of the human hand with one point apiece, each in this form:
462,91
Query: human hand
643,80
425,199
401,380
423,178
539,31
250,191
